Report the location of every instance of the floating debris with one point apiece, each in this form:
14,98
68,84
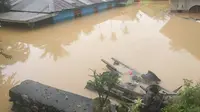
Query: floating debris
127,91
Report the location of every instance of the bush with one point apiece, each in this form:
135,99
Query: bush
130,107
188,99
103,84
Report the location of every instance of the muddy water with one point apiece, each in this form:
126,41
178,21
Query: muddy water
143,36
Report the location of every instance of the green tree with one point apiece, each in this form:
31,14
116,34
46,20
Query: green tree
188,100
136,106
103,83
130,107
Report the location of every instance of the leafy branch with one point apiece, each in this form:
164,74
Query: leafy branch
103,83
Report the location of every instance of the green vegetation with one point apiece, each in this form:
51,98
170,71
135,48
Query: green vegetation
105,81
188,99
136,107
126,107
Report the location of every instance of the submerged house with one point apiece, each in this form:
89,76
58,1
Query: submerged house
185,5
125,2
33,11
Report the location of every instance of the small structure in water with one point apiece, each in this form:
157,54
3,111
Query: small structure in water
131,90
185,5
153,100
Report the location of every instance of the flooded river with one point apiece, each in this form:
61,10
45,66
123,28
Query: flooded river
144,36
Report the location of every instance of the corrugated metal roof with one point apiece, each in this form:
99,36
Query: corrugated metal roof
96,1
109,0
33,6
48,6
34,10
87,2
22,17
60,5
78,3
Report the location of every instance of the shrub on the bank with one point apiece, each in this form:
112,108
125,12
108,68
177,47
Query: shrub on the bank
106,80
188,100
129,107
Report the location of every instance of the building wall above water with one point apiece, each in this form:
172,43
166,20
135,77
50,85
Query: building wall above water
183,5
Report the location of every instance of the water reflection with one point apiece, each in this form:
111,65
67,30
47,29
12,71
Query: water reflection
18,49
53,43
102,37
6,82
189,40
101,33
125,30
53,49
157,11
55,52
60,55
114,37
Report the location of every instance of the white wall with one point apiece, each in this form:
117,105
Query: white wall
184,5
193,3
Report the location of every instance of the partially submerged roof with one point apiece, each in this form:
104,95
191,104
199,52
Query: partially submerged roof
23,17
26,11
49,6
42,6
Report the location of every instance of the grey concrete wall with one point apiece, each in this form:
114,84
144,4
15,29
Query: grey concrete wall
192,3
183,5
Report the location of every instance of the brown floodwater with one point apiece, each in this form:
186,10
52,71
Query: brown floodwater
145,36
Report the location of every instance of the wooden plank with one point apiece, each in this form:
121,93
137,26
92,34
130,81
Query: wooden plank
111,67
176,90
120,87
122,64
116,93
130,68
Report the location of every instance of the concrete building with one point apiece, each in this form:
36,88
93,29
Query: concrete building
185,5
